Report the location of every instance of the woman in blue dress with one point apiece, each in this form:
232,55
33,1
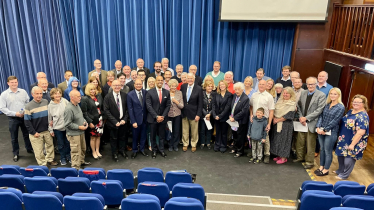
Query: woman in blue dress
353,136
248,87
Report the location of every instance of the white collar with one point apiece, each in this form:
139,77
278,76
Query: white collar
215,75
286,79
324,85
193,84
115,94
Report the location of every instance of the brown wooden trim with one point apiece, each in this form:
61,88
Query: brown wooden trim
357,34
365,32
294,47
354,5
351,55
370,40
360,69
348,35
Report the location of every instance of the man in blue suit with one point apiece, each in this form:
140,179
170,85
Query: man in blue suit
137,109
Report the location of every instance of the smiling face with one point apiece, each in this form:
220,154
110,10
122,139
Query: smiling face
95,83
358,104
260,75
269,85
184,78
311,84
285,73
37,95
216,67
67,75
167,76
334,96
140,63
222,86
159,81
238,91
57,95
193,69
229,78
138,84
97,64
118,65
151,83
43,83
286,95
322,77
278,89
247,83
190,79
13,84
74,84
261,85
116,86
209,88
157,68
141,76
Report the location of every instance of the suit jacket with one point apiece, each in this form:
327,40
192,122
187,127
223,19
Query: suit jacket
198,80
63,86
208,103
147,72
89,108
153,74
194,107
115,73
241,112
178,79
316,106
50,86
111,110
125,89
103,75
137,112
222,106
131,85
155,108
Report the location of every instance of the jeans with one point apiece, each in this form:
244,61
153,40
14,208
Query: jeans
327,145
175,135
205,134
63,144
14,124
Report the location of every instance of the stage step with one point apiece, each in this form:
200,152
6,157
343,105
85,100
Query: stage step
239,198
218,205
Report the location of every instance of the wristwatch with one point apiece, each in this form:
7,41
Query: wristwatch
324,130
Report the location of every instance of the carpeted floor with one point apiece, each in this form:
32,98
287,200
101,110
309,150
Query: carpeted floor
216,172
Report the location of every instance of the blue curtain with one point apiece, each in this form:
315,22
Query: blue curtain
56,35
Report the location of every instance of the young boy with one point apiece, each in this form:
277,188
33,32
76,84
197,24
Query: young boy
257,134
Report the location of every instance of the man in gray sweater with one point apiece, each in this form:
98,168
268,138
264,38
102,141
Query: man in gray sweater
75,125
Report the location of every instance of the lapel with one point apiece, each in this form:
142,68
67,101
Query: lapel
312,100
114,101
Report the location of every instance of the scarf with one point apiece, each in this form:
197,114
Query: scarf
282,107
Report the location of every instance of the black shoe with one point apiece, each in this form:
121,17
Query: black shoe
86,164
30,151
163,154
144,153
115,157
154,154
202,146
133,156
15,158
124,155
322,174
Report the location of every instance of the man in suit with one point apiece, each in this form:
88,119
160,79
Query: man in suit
102,73
41,75
260,75
140,65
193,107
309,107
117,68
115,108
198,79
137,109
64,85
179,70
285,79
165,66
158,106
140,75
157,67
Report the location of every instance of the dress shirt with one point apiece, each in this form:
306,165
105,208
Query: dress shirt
286,79
13,102
166,86
128,79
311,93
120,103
137,94
158,92
264,100
188,86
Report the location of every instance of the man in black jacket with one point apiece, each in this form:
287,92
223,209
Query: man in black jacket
115,108
140,65
192,111
198,79
158,106
157,67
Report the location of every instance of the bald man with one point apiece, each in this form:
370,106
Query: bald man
43,84
140,65
322,85
117,68
198,79
41,75
102,73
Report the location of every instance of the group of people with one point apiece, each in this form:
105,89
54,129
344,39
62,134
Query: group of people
170,107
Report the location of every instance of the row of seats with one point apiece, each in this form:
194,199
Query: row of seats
13,199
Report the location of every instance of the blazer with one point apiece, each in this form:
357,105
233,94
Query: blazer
155,108
131,85
198,80
316,106
106,90
241,112
147,72
222,106
153,74
208,104
89,108
63,86
125,89
137,112
194,107
115,72
111,110
103,75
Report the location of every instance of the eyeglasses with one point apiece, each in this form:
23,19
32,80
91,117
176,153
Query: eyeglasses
355,102
310,84
116,85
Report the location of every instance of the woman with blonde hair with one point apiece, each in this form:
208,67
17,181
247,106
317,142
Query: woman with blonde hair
175,113
209,78
327,128
110,79
353,136
151,83
270,87
282,128
248,84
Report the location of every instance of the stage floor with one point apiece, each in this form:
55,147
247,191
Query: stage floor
216,172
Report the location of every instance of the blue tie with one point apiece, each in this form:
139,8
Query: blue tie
188,93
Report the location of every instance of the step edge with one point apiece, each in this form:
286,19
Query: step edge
254,204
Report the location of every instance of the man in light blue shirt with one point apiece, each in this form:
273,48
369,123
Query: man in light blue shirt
322,83
12,104
260,75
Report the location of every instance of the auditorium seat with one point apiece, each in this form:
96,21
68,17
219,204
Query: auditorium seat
71,185
45,168
150,175
345,208
41,202
370,189
111,190
344,188
124,175
183,203
82,203
159,189
31,172
321,200
189,190
57,194
10,201
17,192
62,172
174,177
13,180
92,173
40,183
9,169
359,201
140,202
98,196
313,185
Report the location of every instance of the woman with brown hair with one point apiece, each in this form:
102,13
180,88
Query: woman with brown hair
110,78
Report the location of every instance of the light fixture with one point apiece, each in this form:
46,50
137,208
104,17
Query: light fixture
369,67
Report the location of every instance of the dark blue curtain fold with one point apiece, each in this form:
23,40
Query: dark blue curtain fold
52,36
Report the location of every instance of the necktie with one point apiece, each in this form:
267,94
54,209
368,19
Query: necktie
188,93
141,98
118,102
233,108
160,95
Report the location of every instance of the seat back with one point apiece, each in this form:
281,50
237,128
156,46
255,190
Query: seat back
189,190
17,192
71,185
31,172
41,202
98,196
62,173
92,173
158,189
174,177
317,186
139,204
339,183
40,184
345,208
44,168
153,168
82,203
10,201
370,188
124,175
183,203
111,190
15,181
57,194
144,197
363,202
344,190
148,175
9,169
313,199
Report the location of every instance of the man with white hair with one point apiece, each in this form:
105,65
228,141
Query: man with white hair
322,85
102,73
165,66
193,107
43,84
41,75
179,70
216,73
140,65
117,68
198,79
127,71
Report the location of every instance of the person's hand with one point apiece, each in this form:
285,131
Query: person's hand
19,114
197,118
122,122
303,123
175,101
248,137
302,120
232,119
92,126
36,135
160,119
135,125
351,147
251,118
52,134
263,140
217,118
118,124
51,123
275,121
267,128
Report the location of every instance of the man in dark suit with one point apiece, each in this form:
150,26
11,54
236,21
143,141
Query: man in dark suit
117,68
115,108
158,106
140,65
140,75
64,85
41,75
157,67
198,79
178,74
137,109
192,111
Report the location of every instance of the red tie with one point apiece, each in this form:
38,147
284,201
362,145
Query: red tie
160,95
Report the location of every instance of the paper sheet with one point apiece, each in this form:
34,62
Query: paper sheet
233,124
208,124
170,126
297,126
